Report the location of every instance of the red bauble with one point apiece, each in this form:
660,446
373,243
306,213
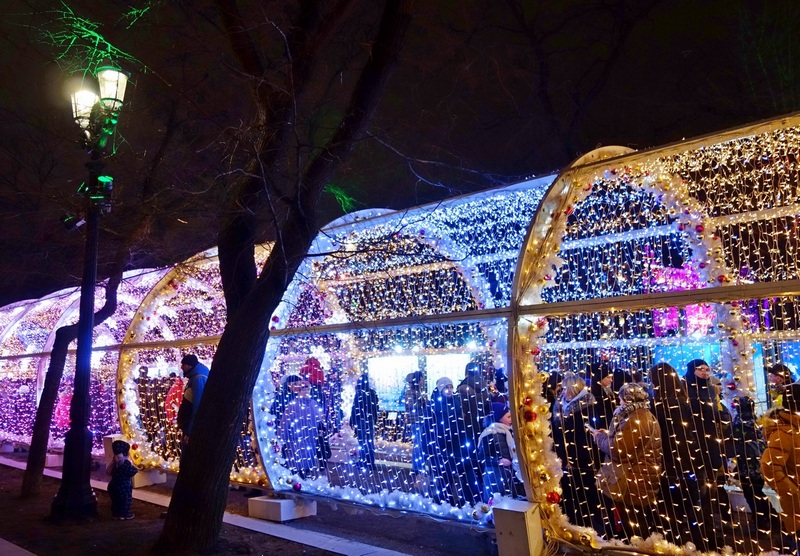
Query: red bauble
297,487
699,228
528,401
122,406
553,497
529,415
275,319
135,446
535,351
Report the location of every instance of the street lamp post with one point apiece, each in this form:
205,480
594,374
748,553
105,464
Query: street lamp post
97,118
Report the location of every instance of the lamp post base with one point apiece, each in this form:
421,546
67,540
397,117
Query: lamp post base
75,499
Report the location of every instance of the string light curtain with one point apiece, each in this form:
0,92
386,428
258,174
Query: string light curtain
686,255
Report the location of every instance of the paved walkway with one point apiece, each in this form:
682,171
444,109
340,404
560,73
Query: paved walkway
309,538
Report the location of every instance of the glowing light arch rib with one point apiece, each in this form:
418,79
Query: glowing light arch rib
198,276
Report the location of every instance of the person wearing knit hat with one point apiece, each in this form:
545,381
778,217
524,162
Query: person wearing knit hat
497,454
120,487
312,370
444,383
500,410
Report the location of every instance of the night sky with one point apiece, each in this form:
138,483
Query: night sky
486,92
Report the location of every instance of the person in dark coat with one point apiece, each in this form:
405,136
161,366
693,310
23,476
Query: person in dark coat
578,454
363,418
749,446
713,430
452,476
605,383
299,430
416,401
683,461
197,373
497,453
476,405
120,487
288,392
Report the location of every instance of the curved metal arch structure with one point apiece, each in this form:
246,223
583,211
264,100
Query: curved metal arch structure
718,281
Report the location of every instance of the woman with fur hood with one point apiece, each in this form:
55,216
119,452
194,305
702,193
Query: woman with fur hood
630,477
780,463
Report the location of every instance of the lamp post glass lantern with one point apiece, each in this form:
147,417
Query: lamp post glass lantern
97,118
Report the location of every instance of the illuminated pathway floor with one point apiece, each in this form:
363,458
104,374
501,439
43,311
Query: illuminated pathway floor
338,528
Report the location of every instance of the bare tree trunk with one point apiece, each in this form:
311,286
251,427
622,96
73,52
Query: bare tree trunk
198,501
32,478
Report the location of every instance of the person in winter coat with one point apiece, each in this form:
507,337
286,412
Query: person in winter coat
452,476
779,377
197,373
683,461
780,464
631,475
579,458
749,446
712,423
476,405
605,383
290,387
363,418
120,487
497,453
416,401
299,429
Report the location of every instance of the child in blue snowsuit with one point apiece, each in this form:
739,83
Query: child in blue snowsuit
120,487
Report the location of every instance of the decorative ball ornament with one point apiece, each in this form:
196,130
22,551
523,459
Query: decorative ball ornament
485,508
528,415
553,497
297,486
